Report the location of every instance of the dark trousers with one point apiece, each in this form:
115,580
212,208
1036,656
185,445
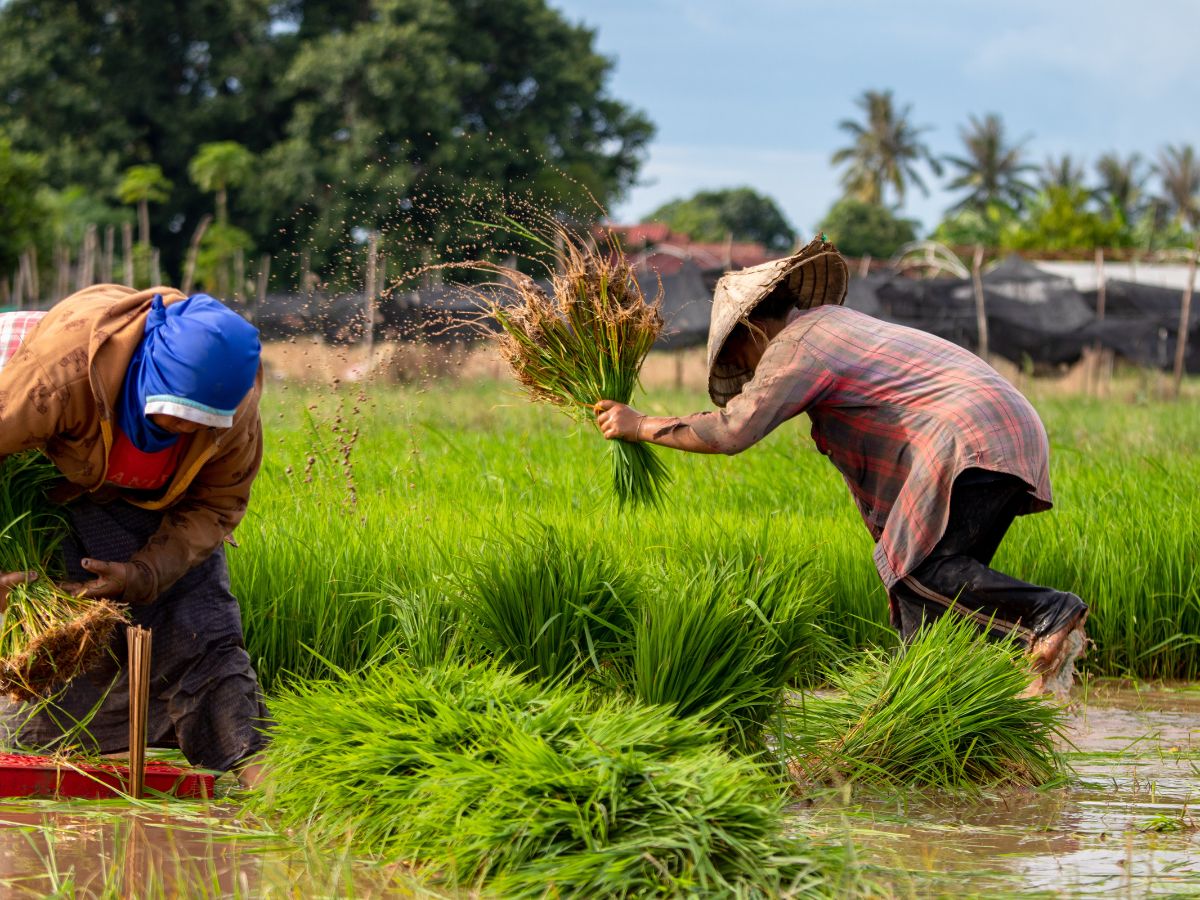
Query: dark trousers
204,695
956,576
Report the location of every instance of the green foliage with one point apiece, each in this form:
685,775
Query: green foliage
945,711
885,151
143,184
217,167
23,211
74,208
214,262
991,170
866,229
1058,219
972,225
714,216
485,780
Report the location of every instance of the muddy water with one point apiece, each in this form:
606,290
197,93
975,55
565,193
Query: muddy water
1128,825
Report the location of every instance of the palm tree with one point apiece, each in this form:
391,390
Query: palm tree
885,150
218,167
991,170
1122,182
1062,172
1179,170
143,185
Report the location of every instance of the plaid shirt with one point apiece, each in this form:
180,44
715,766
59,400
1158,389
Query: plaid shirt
13,328
899,412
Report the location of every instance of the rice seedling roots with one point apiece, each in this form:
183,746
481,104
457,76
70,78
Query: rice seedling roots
61,653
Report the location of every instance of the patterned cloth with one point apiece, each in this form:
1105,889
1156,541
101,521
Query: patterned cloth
899,412
204,694
13,328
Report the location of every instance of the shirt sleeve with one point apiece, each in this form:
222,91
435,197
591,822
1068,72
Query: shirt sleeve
787,381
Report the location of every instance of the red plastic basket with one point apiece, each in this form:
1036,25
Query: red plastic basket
43,776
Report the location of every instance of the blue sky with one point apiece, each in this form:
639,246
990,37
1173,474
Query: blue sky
751,92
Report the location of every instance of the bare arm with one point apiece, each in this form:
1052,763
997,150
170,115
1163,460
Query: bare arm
624,423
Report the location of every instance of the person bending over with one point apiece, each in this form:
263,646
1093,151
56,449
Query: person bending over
939,452
147,403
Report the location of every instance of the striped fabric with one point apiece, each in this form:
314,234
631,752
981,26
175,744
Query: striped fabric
899,412
13,328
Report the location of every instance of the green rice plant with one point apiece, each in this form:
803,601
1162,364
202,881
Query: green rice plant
726,644
549,607
582,342
47,636
485,781
945,712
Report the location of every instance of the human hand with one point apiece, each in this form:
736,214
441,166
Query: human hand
617,421
10,580
111,581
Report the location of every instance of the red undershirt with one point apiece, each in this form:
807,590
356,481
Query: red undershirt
129,467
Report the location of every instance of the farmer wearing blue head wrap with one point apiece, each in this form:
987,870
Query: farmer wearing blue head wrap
147,402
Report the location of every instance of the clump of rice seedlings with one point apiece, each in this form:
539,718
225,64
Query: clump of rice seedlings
47,636
582,341
726,645
549,607
484,781
944,712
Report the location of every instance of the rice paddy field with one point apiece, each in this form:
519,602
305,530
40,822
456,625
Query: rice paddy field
380,508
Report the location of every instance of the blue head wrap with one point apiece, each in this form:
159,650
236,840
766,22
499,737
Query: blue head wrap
197,361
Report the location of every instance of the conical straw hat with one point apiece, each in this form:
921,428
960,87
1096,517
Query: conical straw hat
814,276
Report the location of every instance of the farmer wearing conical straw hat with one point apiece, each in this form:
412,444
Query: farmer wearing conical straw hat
147,403
940,453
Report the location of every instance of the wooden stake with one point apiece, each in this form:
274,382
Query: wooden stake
372,273
864,265
155,271
139,701
86,273
980,308
264,277
62,283
1101,298
31,276
127,251
239,273
189,266
1185,310
106,264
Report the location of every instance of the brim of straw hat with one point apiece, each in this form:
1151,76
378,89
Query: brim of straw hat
814,276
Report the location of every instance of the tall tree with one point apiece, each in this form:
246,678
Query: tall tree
885,150
1178,170
217,167
141,186
991,170
1062,172
741,213
22,214
1122,184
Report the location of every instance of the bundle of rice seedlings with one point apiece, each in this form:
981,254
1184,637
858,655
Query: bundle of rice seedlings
945,712
726,645
47,636
548,606
582,342
487,782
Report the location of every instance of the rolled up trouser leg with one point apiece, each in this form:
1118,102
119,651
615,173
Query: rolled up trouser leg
999,604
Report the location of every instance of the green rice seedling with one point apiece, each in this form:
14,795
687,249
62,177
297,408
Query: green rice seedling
486,781
945,712
47,636
549,607
726,644
582,342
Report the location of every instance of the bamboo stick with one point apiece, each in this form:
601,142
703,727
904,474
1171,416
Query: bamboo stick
139,701
106,263
980,308
155,272
1185,310
264,277
127,251
189,267
372,273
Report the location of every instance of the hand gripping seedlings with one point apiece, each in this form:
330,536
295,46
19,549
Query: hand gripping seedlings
47,636
578,338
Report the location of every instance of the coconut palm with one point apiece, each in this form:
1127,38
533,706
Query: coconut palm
1179,171
1122,184
885,150
991,170
219,166
143,185
1062,172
